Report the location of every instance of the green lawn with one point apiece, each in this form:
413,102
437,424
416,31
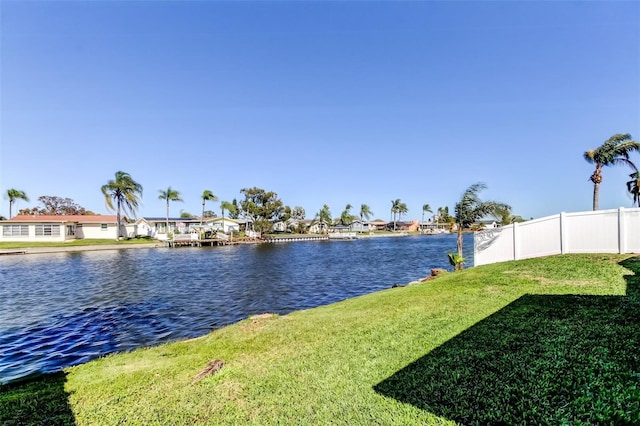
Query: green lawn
540,341
74,243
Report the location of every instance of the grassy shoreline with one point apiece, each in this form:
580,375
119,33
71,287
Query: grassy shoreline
542,341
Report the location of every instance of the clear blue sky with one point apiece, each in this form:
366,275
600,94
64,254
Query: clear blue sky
324,102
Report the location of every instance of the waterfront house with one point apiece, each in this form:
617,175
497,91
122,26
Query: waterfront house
156,227
406,226
360,226
59,227
225,225
316,226
379,225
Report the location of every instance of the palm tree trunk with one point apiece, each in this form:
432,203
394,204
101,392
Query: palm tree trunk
10,205
202,217
167,224
596,178
460,240
118,222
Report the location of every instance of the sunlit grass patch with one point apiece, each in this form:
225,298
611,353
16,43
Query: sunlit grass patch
521,340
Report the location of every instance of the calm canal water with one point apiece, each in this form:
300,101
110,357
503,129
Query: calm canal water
63,309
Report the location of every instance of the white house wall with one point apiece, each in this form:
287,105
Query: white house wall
32,234
95,231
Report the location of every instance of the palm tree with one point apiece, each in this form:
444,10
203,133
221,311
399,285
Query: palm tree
13,195
613,151
633,186
402,210
126,192
506,217
345,217
471,208
365,212
169,195
425,208
323,216
226,205
207,195
395,206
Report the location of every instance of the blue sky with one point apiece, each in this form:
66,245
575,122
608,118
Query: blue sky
323,102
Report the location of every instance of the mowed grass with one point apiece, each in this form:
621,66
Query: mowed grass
542,341
76,243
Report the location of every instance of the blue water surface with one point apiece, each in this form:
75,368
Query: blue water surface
63,309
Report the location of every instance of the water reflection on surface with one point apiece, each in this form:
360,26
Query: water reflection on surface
67,308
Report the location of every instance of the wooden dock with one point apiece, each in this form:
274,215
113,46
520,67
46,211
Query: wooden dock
210,242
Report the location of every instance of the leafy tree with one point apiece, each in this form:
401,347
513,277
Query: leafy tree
234,213
298,213
15,194
425,208
59,206
262,207
168,196
443,214
471,208
126,192
506,218
613,151
365,212
207,195
633,186
185,215
209,213
345,217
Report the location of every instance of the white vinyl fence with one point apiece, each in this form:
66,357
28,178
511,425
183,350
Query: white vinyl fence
601,231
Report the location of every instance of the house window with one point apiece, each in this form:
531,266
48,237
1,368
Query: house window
71,231
15,230
47,230
103,226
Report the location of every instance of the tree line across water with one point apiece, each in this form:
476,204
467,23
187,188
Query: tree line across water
123,196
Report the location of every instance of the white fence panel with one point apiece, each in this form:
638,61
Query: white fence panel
493,245
603,231
631,231
592,232
540,237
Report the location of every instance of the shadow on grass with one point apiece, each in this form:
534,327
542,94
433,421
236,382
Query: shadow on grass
540,360
40,401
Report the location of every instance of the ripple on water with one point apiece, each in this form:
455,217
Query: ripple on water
64,309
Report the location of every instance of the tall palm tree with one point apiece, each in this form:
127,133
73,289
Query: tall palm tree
169,195
633,186
207,195
471,208
395,206
13,195
425,208
613,151
365,212
126,192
